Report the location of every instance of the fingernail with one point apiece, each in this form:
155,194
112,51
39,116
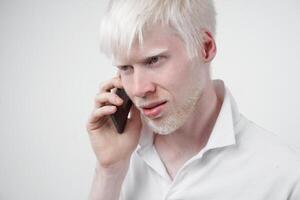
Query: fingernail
119,101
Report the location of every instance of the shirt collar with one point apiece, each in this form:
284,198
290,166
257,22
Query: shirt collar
223,133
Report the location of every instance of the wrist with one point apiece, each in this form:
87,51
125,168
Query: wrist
115,171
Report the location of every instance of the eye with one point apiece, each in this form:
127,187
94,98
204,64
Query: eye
152,60
124,68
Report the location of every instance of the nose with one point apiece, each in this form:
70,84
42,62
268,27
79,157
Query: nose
142,84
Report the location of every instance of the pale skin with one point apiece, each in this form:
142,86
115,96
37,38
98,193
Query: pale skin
140,81
112,150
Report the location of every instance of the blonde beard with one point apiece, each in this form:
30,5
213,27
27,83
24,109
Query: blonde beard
177,116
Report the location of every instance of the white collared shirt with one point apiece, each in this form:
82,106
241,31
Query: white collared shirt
241,161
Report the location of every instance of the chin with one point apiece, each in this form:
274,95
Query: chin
177,116
168,124
161,130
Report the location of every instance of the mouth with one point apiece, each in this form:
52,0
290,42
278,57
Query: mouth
154,109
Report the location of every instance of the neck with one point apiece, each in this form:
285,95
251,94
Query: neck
194,134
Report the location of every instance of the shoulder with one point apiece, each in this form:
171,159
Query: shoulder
267,147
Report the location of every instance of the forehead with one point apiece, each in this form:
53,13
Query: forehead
156,40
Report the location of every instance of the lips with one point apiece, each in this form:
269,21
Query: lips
153,109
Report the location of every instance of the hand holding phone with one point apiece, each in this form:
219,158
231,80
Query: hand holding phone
119,118
110,147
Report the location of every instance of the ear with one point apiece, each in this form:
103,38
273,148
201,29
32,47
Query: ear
209,49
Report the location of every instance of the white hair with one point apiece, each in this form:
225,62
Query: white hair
125,21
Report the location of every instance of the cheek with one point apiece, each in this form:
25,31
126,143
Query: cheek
175,79
127,85
184,79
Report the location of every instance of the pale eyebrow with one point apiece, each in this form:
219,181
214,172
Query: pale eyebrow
155,52
146,56
151,54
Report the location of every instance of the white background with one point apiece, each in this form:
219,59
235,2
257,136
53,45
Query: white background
50,69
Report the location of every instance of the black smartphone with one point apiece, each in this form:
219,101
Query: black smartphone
119,118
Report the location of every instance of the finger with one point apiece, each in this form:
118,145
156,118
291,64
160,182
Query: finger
110,84
99,113
107,98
